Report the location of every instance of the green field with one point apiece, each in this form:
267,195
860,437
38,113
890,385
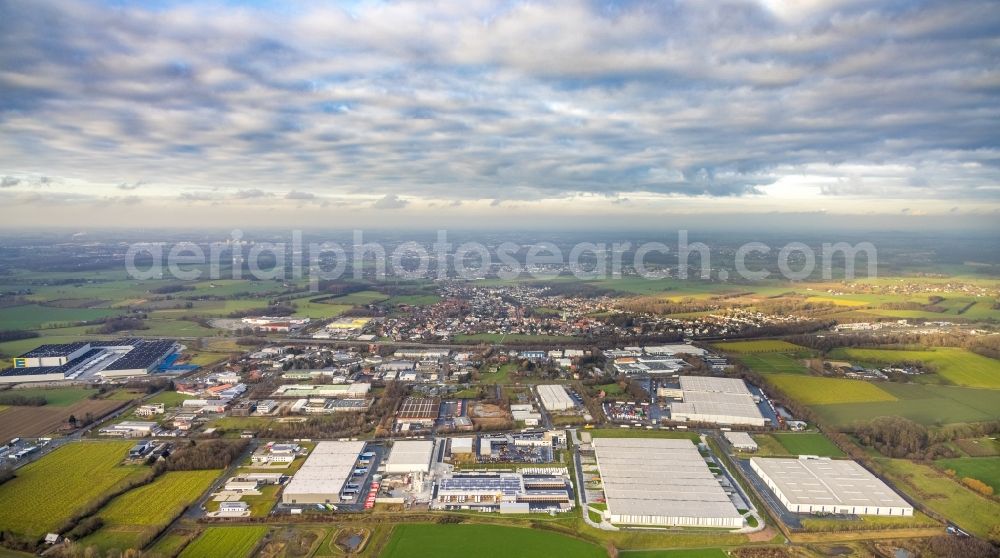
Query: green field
986,469
928,405
231,542
813,390
360,298
483,541
51,490
774,363
33,316
958,366
168,398
970,511
808,443
132,519
304,308
610,389
758,346
512,338
57,397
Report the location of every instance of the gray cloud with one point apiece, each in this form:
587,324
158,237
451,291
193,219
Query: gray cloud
497,101
9,181
251,194
389,201
130,185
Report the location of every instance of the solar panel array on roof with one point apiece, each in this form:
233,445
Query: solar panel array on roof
44,370
509,485
143,355
55,349
419,408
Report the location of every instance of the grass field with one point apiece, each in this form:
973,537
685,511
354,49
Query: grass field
808,443
758,346
812,390
33,316
304,308
768,446
958,366
231,542
58,397
986,469
168,398
773,363
513,338
359,298
928,405
51,490
942,494
610,389
136,516
483,541
979,447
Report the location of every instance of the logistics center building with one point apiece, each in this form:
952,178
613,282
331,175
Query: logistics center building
410,456
822,485
661,482
555,398
713,400
86,359
324,473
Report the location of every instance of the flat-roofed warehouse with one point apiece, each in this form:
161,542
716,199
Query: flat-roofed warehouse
714,400
661,482
741,441
554,397
322,476
823,485
69,361
410,456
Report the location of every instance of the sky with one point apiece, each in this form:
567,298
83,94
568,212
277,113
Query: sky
483,113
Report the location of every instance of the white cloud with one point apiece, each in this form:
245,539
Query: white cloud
857,100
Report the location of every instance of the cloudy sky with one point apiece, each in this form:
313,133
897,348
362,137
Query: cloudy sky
488,113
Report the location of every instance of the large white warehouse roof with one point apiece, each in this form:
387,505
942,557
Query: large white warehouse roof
324,472
713,384
554,397
812,485
410,456
661,482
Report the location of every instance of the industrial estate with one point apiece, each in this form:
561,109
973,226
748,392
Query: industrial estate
689,440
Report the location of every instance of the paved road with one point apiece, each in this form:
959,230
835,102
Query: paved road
774,505
197,509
